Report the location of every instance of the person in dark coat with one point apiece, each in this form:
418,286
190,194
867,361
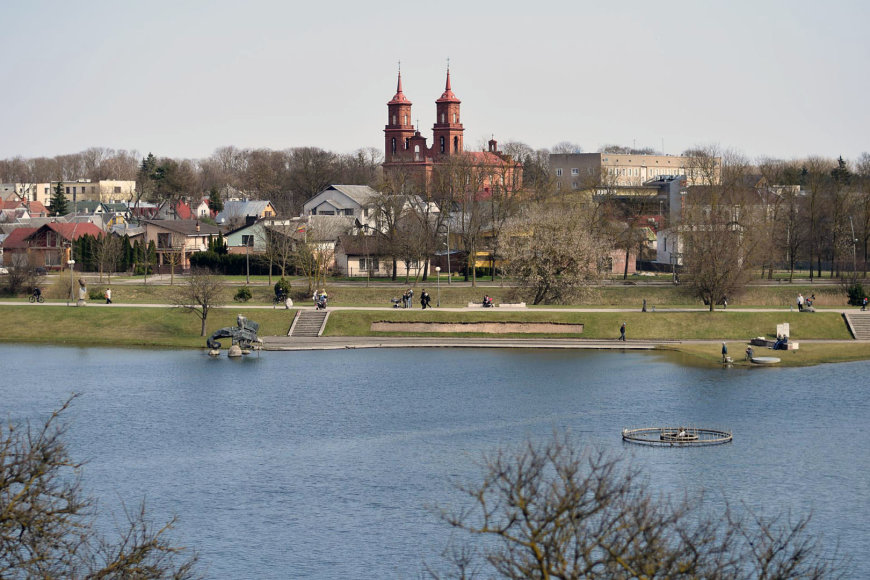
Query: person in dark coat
622,332
425,300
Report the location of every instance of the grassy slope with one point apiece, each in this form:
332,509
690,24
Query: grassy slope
658,325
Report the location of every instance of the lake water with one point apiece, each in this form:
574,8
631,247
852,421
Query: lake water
325,464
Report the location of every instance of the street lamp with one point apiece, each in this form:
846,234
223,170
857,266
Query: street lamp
71,263
438,284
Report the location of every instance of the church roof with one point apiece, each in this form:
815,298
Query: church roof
447,96
399,98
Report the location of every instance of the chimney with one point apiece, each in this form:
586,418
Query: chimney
197,225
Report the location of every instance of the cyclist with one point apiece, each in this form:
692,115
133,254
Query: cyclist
37,293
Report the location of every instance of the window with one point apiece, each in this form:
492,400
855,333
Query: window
575,171
456,144
117,188
455,118
559,172
164,241
348,212
393,145
248,240
404,119
67,190
441,143
443,120
407,143
416,153
368,264
394,119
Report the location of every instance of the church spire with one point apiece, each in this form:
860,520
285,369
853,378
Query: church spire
399,96
448,96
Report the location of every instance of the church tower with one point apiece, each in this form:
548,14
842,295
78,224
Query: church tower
448,126
399,129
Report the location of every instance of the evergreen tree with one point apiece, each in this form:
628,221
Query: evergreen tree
59,205
215,203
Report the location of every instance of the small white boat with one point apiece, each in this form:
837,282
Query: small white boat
764,360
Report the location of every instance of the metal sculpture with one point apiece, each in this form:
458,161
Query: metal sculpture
244,335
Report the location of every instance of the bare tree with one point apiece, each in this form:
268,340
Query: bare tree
550,510
552,252
47,522
200,294
719,230
108,252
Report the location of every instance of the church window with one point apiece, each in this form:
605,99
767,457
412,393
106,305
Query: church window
441,143
443,117
456,144
455,118
393,146
407,143
559,172
416,153
394,119
404,119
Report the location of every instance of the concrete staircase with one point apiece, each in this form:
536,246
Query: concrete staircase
308,323
859,324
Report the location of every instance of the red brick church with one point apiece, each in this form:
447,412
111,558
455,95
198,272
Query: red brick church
406,150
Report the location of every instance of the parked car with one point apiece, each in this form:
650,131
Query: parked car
3,270
40,271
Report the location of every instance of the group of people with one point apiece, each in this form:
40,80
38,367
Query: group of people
320,299
805,303
407,299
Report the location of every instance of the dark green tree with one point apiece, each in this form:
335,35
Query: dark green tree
215,203
59,205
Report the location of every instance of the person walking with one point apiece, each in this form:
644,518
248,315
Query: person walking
425,300
622,332
643,308
724,352
410,300
800,301
864,304
108,295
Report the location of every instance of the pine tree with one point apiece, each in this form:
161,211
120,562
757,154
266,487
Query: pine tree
215,203
59,205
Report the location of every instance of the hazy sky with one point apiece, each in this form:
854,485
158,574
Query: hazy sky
182,78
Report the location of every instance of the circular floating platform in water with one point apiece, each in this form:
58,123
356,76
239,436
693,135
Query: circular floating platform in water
676,436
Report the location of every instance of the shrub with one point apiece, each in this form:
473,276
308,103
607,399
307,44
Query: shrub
282,287
856,294
243,294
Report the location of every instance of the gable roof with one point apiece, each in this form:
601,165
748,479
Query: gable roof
15,239
71,231
242,209
185,227
359,193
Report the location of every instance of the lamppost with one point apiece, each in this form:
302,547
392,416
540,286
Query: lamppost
247,240
438,284
449,271
71,263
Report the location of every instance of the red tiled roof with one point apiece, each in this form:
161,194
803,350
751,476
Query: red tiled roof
16,238
182,210
35,207
75,230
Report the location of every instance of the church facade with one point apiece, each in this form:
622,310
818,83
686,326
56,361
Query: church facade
408,156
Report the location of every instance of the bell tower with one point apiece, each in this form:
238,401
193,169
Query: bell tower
448,124
399,129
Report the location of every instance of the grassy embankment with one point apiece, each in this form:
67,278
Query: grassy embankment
168,327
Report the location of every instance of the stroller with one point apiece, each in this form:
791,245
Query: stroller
487,302
321,303
396,302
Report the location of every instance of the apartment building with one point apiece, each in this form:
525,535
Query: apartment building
104,191
575,171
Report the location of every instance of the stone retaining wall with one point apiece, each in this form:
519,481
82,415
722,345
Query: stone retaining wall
486,327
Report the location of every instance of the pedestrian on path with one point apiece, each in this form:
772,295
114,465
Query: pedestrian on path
425,299
643,309
622,332
800,301
108,295
724,352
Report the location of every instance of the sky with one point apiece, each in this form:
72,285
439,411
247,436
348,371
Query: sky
765,78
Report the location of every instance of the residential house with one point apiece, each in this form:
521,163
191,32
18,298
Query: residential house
237,213
176,240
361,256
47,245
349,201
